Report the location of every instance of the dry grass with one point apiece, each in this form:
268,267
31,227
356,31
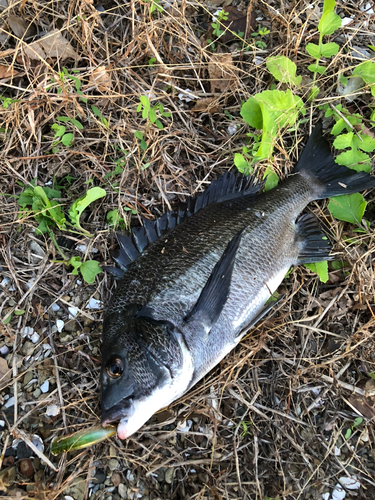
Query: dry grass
271,420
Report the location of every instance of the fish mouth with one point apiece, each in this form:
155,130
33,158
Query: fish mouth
121,411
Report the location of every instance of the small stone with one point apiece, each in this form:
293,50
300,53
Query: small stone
10,402
26,467
169,475
71,326
60,325
99,476
122,490
113,464
65,338
8,461
45,387
55,307
52,410
37,393
23,451
66,298
76,489
116,479
27,377
27,348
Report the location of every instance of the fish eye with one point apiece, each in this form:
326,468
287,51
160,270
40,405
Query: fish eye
115,368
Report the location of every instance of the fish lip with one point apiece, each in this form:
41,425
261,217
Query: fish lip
123,409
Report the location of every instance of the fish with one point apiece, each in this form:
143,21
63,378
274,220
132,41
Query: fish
193,280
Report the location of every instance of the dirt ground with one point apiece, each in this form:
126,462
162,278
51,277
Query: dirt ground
289,414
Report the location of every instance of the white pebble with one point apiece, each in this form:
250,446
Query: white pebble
232,129
27,331
10,402
52,410
45,386
55,307
346,20
4,350
73,312
34,337
94,304
350,483
81,248
60,325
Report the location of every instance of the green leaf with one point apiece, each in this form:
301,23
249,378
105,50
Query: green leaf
114,219
152,115
321,269
348,433
313,93
315,68
59,130
145,101
66,119
356,423
272,179
138,134
354,159
96,111
329,23
348,208
329,49
159,124
328,6
19,312
143,145
283,70
76,263
51,193
89,270
79,206
241,163
313,50
251,112
67,139
366,71
6,321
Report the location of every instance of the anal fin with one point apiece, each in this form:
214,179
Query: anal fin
313,243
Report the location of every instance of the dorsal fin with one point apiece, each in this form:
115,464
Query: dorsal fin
228,186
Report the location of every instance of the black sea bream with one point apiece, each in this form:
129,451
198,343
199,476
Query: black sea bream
195,278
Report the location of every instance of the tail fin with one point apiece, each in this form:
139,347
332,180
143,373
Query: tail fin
318,166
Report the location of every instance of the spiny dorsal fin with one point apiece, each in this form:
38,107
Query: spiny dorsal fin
226,187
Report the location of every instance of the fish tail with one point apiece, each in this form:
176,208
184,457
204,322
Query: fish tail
317,165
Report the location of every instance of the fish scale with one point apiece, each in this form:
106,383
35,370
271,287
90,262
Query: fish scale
195,279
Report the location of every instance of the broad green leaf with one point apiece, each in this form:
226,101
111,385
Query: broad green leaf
283,70
145,101
19,312
114,219
67,139
313,50
272,179
354,159
59,130
321,269
328,5
66,119
76,263
241,163
79,206
313,93
26,197
51,193
366,71
341,124
152,115
329,23
251,112
138,134
159,124
349,207
329,49
314,68
89,270
143,145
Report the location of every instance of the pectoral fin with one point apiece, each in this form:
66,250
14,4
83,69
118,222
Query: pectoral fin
215,293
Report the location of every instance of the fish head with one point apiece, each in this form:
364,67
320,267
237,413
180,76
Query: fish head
145,367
